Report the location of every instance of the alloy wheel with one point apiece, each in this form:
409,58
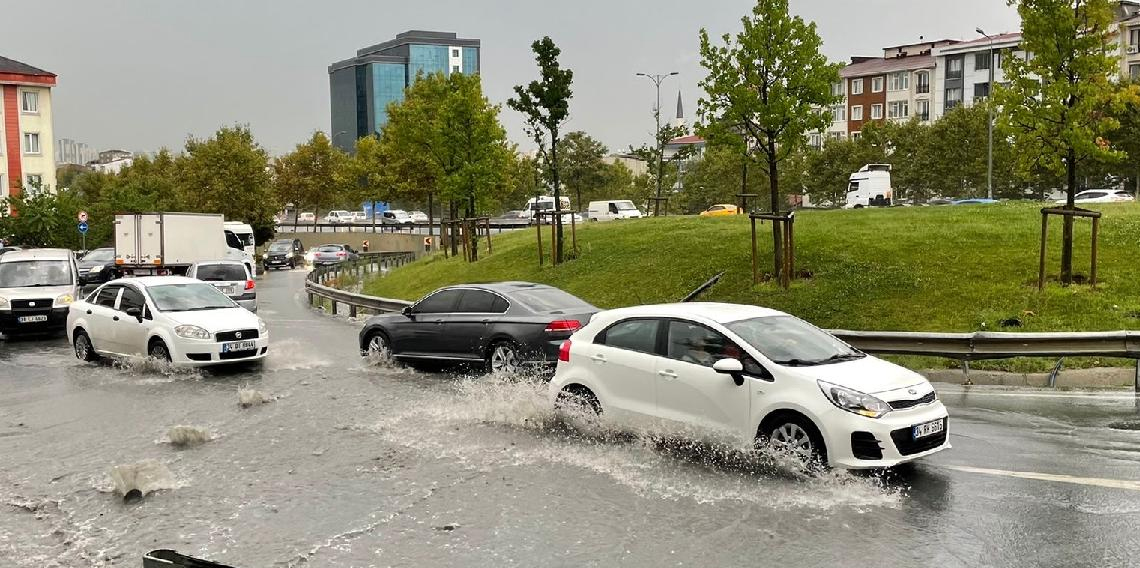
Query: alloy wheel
792,438
82,347
378,348
159,351
504,358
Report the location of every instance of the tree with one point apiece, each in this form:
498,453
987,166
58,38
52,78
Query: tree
716,178
582,165
1056,101
228,174
654,155
315,175
44,219
546,105
763,90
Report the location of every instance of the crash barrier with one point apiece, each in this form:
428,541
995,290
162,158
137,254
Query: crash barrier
985,345
320,283
413,228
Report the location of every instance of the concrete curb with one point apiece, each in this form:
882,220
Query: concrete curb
1100,377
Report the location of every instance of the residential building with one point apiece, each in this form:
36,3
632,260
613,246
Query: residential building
68,151
1129,21
27,146
362,87
962,74
636,165
893,87
695,143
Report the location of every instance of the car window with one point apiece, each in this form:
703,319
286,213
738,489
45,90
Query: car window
438,303
221,272
697,344
479,302
107,296
330,248
1092,194
100,255
131,299
549,300
635,335
189,298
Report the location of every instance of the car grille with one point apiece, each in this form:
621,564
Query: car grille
28,304
908,446
237,355
246,334
865,446
902,404
277,257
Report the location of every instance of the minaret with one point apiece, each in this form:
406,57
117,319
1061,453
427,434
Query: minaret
680,120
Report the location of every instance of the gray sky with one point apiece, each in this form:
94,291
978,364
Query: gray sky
142,74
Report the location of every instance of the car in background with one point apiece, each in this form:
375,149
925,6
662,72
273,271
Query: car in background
7,249
974,201
513,218
36,288
612,209
419,217
762,376
176,319
325,255
721,210
230,277
307,217
98,266
507,326
284,253
360,217
1101,196
396,217
338,216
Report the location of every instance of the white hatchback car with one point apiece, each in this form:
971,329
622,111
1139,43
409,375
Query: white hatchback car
760,375
181,320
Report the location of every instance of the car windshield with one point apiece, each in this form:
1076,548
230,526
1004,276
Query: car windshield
790,341
330,248
625,206
281,247
221,272
189,297
549,300
32,273
100,255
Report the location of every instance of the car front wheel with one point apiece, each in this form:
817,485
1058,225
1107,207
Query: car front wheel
795,435
379,348
158,351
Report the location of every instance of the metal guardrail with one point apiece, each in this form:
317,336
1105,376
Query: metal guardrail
411,228
317,282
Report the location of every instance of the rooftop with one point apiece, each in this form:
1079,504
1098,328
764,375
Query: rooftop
691,139
879,66
1010,37
12,70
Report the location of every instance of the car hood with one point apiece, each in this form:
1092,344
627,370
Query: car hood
216,320
89,264
868,375
52,292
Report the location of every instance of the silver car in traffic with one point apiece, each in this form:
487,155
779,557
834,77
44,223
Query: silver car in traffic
230,277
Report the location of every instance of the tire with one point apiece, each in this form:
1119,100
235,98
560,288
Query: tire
859,206
378,347
795,434
157,350
84,350
577,398
504,357
292,265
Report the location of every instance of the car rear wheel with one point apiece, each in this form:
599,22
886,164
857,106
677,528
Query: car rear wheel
158,351
84,351
795,435
578,399
504,357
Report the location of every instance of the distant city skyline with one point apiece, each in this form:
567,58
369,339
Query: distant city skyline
194,67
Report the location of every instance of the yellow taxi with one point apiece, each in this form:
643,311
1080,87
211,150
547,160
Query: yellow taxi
720,210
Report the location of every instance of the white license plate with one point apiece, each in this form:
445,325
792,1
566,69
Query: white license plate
227,290
927,429
238,346
31,319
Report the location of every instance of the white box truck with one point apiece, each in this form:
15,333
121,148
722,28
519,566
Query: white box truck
869,187
148,244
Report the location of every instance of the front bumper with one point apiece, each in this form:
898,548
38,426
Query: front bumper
277,261
204,353
10,320
851,439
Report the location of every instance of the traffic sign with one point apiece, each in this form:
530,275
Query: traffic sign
83,228
82,216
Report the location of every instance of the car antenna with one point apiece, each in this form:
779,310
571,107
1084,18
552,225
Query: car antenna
703,288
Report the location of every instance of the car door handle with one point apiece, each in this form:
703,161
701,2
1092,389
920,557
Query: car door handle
116,318
438,322
598,358
486,321
88,312
669,375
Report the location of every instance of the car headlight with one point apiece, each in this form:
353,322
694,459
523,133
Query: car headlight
854,401
191,332
64,300
265,255
262,328
3,302
95,270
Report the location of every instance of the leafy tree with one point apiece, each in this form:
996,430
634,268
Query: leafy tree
228,174
546,105
1055,102
716,178
582,165
763,88
315,175
829,169
654,155
42,219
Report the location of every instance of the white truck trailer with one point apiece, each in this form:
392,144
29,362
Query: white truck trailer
149,244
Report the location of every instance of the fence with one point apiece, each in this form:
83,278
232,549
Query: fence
317,283
412,228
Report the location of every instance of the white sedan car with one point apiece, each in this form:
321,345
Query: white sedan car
759,375
170,318
1101,196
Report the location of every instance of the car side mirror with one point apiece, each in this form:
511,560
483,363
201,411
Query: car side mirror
732,367
407,311
136,313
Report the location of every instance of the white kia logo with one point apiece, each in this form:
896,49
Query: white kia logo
31,304
238,335
911,391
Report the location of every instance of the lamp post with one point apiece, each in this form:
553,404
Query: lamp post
657,79
990,124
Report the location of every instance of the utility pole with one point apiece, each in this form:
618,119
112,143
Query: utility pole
657,79
990,124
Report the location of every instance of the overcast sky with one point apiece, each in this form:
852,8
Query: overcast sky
143,74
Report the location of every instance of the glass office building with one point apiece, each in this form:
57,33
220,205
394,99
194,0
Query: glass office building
362,87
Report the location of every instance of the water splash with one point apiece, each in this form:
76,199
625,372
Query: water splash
293,355
146,366
248,397
137,480
188,436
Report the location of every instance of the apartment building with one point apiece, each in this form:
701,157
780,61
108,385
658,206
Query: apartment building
963,70
1129,24
27,153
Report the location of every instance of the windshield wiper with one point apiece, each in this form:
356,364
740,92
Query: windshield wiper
842,357
797,363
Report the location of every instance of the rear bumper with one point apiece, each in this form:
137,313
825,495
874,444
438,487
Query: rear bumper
10,321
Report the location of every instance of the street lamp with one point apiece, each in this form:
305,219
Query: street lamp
657,79
337,134
990,124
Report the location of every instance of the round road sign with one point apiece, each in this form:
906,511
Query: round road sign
82,216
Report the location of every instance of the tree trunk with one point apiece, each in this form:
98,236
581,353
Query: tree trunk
1067,225
557,219
430,214
473,239
774,187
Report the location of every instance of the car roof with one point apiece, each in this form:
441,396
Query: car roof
220,261
504,287
714,311
148,281
36,254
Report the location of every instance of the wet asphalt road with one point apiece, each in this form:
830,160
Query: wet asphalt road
357,465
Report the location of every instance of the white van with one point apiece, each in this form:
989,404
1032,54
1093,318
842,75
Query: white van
612,209
339,216
542,204
36,288
244,233
869,187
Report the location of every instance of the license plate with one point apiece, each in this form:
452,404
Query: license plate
927,429
238,346
31,319
227,290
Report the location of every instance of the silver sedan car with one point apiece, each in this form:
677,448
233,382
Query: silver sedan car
230,277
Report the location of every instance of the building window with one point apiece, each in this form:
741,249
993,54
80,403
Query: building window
815,140
34,181
855,135
454,68
1134,39
30,101
839,112
857,112
982,61
922,110
900,81
31,143
856,86
455,53
1134,72
922,78
981,91
954,68
876,84
953,98
898,109
837,89
876,112
835,136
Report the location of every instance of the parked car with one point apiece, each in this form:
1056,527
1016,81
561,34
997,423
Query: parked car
98,266
284,253
419,217
307,217
170,318
360,217
505,326
761,375
721,210
36,288
333,254
231,278
1101,196
975,201
612,209
338,216
396,217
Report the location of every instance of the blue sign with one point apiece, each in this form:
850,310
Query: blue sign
83,228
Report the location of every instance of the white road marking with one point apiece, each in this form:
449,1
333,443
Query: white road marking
1094,481
1087,395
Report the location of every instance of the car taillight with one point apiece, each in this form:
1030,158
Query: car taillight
564,351
249,284
563,325
342,254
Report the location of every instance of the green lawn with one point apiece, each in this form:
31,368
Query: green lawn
957,268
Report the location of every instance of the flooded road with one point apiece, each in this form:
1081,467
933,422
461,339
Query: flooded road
340,463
